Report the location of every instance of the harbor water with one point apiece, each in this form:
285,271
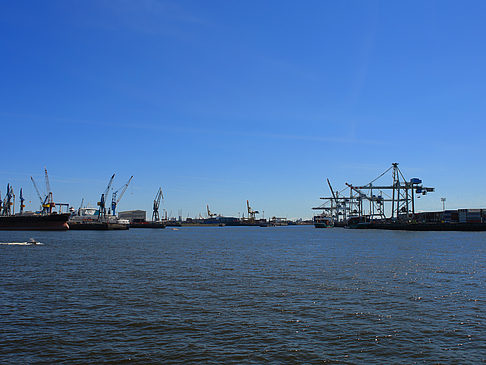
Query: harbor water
243,295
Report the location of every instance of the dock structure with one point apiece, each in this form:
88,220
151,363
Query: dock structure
375,200
395,201
339,207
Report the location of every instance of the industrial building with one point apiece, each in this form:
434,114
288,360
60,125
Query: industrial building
133,215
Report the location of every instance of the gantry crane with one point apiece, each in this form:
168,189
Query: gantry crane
251,213
210,214
114,200
102,202
402,195
155,213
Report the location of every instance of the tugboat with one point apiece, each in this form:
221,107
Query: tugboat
322,221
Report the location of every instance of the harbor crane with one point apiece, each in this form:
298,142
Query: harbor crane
155,213
22,205
338,207
47,202
102,202
37,191
7,204
210,214
114,200
251,213
402,198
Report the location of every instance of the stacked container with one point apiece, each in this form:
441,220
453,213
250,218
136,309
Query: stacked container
462,215
473,216
450,216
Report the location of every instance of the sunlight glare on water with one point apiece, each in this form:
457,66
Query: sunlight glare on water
244,295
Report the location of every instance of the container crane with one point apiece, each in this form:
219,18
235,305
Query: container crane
210,215
114,200
155,214
102,202
251,213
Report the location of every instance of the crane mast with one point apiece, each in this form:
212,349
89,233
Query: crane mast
210,214
7,203
155,213
102,202
48,201
251,213
22,206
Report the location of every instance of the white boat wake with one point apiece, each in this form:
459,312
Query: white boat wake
21,243
30,242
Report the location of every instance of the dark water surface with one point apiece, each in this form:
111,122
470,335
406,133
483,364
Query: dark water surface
243,295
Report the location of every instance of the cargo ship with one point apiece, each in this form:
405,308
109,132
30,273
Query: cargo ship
89,219
423,226
322,221
146,224
446,220
47,220
35,222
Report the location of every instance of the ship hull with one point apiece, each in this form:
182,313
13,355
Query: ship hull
147,225
52,222
466,227
97,226
322,225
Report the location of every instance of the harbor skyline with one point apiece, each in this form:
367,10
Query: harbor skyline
223,103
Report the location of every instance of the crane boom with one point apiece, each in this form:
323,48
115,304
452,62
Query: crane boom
48,185
124,189
332,191
114,200
37,190
109,185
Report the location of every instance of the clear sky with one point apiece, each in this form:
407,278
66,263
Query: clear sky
223,101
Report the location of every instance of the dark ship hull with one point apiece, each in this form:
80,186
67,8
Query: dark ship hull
97,226
35,222
467,227
147,225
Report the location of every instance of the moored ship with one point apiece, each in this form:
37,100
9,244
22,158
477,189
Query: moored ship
322,221
35,222
89,219
47,220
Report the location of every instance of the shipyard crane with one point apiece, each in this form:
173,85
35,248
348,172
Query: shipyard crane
114,200
49,201
41,199
102,202
7,201
22,206
210,215
155,213
251,212
402,194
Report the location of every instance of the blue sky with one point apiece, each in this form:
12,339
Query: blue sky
223,101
